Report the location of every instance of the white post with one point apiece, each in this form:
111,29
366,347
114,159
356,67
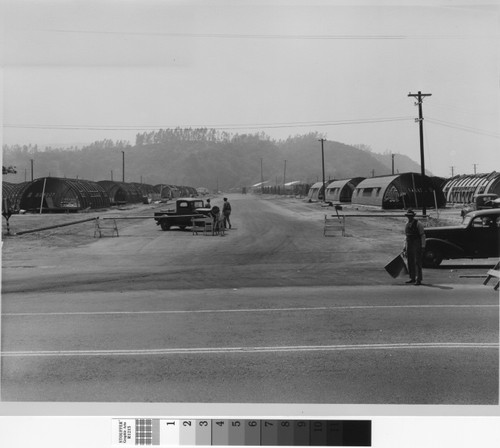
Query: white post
43,193
436,204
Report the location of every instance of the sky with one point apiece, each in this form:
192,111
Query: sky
74,72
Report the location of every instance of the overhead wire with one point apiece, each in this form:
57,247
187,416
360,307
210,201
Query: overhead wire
462,127
219,126
275,36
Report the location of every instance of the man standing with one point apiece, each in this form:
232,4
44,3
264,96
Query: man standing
415,245
226,211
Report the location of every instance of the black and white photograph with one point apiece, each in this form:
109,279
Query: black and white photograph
257,203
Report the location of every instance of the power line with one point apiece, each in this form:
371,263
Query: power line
236,36
277,36
221,126
463,127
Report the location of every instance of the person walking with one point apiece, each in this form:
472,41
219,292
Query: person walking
414,247
226,211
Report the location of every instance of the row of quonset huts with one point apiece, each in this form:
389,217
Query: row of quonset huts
406,190
54,194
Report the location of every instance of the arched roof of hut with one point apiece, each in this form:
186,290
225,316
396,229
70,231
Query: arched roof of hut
121,192
463,187
12,192
397,191
341,183
145,189
316,185
58,194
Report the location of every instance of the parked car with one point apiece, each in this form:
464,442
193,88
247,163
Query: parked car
477,237
481,202
181,216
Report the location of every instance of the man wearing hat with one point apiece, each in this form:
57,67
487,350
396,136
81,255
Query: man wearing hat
415,244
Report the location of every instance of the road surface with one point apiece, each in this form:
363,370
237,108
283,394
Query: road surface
271,312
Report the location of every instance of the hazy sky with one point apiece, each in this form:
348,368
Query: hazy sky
80,71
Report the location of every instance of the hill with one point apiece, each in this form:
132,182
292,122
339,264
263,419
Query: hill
204,157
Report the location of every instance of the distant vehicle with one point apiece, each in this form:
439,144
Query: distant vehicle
181,216
203,191
477,237
482,202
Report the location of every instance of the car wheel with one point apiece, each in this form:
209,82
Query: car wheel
164,226
432,259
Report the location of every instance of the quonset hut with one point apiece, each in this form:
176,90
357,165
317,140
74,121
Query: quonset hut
12,192
167,191
316,192
399,191
54,194
187,191
461,189
148,192
341,190
121,192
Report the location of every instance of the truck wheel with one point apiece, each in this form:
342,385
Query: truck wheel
164,226
432,259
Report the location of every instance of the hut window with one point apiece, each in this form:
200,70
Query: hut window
367,191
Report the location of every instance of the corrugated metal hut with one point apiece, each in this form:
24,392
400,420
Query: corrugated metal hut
166,191
316,192
12,192
341,190
398,191
186,191
54,194
121,192
148,192
461,189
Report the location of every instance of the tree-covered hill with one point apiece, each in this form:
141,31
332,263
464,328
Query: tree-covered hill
204,157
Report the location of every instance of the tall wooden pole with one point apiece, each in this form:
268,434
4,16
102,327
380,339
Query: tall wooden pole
420,120
323,166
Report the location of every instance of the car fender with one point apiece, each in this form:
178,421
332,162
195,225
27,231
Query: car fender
446,248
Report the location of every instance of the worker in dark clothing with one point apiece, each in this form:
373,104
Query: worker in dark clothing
414,248
226,211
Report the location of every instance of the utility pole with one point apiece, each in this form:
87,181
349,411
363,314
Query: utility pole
452,171
392,157
284,176
31,170
420,120
123,166
475,164
111,174
261,178
373,173
323,166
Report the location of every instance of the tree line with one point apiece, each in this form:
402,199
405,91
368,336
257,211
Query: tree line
202,157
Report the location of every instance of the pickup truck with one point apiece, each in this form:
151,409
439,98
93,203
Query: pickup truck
181,216
477,237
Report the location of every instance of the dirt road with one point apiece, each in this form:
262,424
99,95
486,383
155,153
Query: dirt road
285,246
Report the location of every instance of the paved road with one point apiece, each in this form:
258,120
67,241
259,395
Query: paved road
272,312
